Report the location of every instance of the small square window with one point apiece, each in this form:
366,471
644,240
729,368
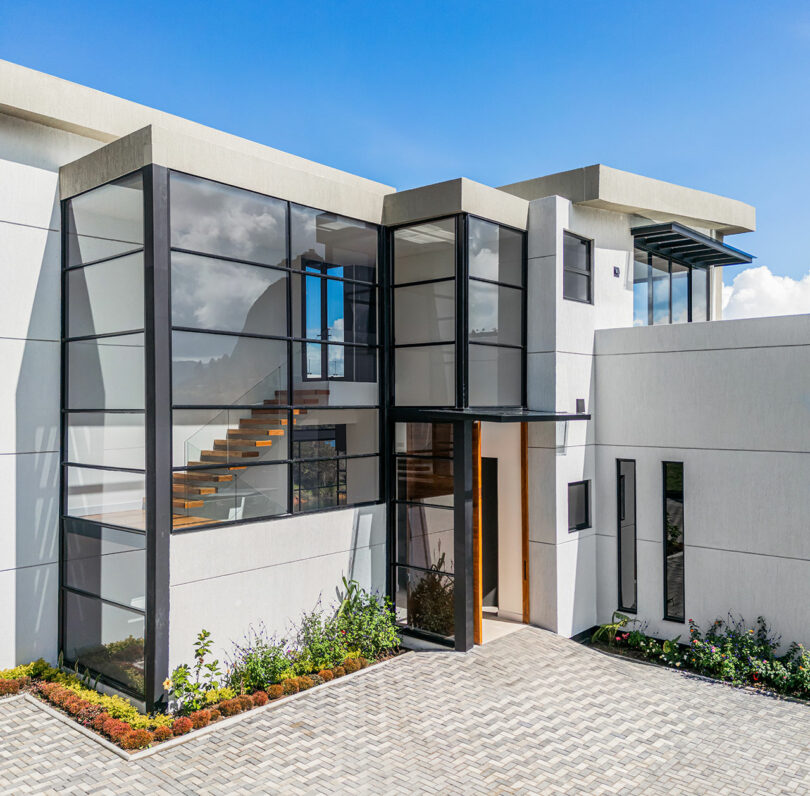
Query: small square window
579,505
577,268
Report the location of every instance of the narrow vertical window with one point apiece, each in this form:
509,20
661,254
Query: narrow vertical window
673,542
626,533
577,268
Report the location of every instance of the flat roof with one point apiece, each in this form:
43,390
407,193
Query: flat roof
622,191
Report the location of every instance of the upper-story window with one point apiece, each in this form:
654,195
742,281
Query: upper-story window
577,268
667,291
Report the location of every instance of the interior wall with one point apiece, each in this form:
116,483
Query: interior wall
501,441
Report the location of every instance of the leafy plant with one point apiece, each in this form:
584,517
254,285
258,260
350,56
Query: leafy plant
189,686
431,602
259,661
609,631
367,621
321,640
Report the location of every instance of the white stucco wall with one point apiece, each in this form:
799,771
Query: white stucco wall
30,156
229,578
731,400
501,441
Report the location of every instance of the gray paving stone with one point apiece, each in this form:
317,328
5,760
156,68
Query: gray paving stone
530,713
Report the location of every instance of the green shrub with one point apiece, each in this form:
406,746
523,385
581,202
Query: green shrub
321,640
367,621
260,661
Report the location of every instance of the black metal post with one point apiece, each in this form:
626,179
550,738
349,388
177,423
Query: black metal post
463,534
158,429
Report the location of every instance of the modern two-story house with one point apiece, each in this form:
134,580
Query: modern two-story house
233,376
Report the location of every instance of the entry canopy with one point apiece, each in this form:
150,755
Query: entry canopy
687,245
415,415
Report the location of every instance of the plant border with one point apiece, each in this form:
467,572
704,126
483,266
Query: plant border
226,721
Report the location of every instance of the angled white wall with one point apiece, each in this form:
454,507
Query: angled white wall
30,156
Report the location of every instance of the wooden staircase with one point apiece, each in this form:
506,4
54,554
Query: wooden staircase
244,442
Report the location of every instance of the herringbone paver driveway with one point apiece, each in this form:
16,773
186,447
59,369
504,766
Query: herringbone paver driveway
529,713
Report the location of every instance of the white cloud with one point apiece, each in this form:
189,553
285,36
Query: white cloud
756,293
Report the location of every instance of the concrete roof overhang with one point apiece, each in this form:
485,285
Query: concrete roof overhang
621,191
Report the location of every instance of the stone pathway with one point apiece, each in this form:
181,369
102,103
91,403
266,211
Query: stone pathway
528,713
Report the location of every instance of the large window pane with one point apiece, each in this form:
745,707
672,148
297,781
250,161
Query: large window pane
216,435
641,289
432,439
426,375
106,639
660,288
496,313
423,480
224,369
495,376
225,494
113,439
106,373
106,221
107,297
700,294
425,313
108,562
425,601
425,251
335,432
107,496
495,252
340,246
328,309
214,218
680,293
673,542
425,536
339,482
232,297
340,375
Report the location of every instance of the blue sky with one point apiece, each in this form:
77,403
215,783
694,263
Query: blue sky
714,95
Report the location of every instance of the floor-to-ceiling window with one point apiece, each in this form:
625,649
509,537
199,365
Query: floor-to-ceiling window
275,387
103,594
424,521
673,542
667,291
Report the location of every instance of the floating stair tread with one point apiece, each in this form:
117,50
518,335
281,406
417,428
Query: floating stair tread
187,504
241,444
185,489
200,477
225,455
254,433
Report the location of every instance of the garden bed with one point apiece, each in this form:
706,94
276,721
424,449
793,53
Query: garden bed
132,742
730,652
323,647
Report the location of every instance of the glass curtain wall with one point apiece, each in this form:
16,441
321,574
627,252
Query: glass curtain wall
275,389
103,556
667,291
495,316
423,509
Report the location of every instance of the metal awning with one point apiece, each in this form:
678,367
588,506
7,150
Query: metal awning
687,245
415,415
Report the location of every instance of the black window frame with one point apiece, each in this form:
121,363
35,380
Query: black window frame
588,272
666,615
649,281
620,502
291,406
587,523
